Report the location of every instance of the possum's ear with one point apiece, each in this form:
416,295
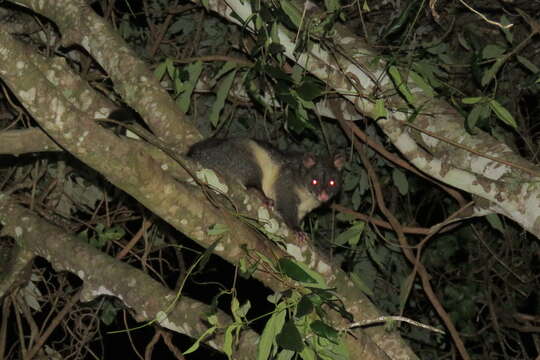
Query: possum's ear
339,161
309,160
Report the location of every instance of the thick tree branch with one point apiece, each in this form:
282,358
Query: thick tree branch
131,77
17,142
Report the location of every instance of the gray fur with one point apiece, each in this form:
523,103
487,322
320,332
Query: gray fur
284,178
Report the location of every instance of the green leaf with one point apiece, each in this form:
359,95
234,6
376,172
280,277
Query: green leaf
294,271
247,269
289,338
332,5
296,119
486,111
221,96
357,280
400,84
179,86
228,340
350,181
492,51
235,305
274,35
472,100
495,222
285,355
194,71
365,6
297,73
356,197
274,298
463,41
491,72
225,69
309,90
352,235
218,229
206,255
474,116
507,31
375,256
171,69
503,114
301,273
111,234
243,310
324,331
197,343
278,74
364,182
212,319
326,24
400,181
397,25
308,354
422,84
528,65
271,329
438,49
304,307
263,258
160,70
305,104
430,72
103,236
327,350
292,12
108,312
380,110
405,290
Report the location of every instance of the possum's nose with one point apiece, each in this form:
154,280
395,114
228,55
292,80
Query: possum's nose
323,196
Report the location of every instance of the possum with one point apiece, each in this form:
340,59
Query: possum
293,183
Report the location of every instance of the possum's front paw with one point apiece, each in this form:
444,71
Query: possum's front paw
269,203
301,236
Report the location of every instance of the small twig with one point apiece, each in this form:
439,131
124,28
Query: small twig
146,224
485,18
53,325
167,339
3,325
382,319
151,344
386,224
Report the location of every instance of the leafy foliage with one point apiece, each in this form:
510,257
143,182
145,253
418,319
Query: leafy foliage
485,272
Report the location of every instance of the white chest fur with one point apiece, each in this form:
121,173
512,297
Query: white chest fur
308,201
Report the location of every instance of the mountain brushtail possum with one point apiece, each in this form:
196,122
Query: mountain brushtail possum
294,183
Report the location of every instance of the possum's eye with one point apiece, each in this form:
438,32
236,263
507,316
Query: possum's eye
314,182
332,183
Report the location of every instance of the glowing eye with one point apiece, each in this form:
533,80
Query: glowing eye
332,183
314,182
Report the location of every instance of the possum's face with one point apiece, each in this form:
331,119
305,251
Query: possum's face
323,176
